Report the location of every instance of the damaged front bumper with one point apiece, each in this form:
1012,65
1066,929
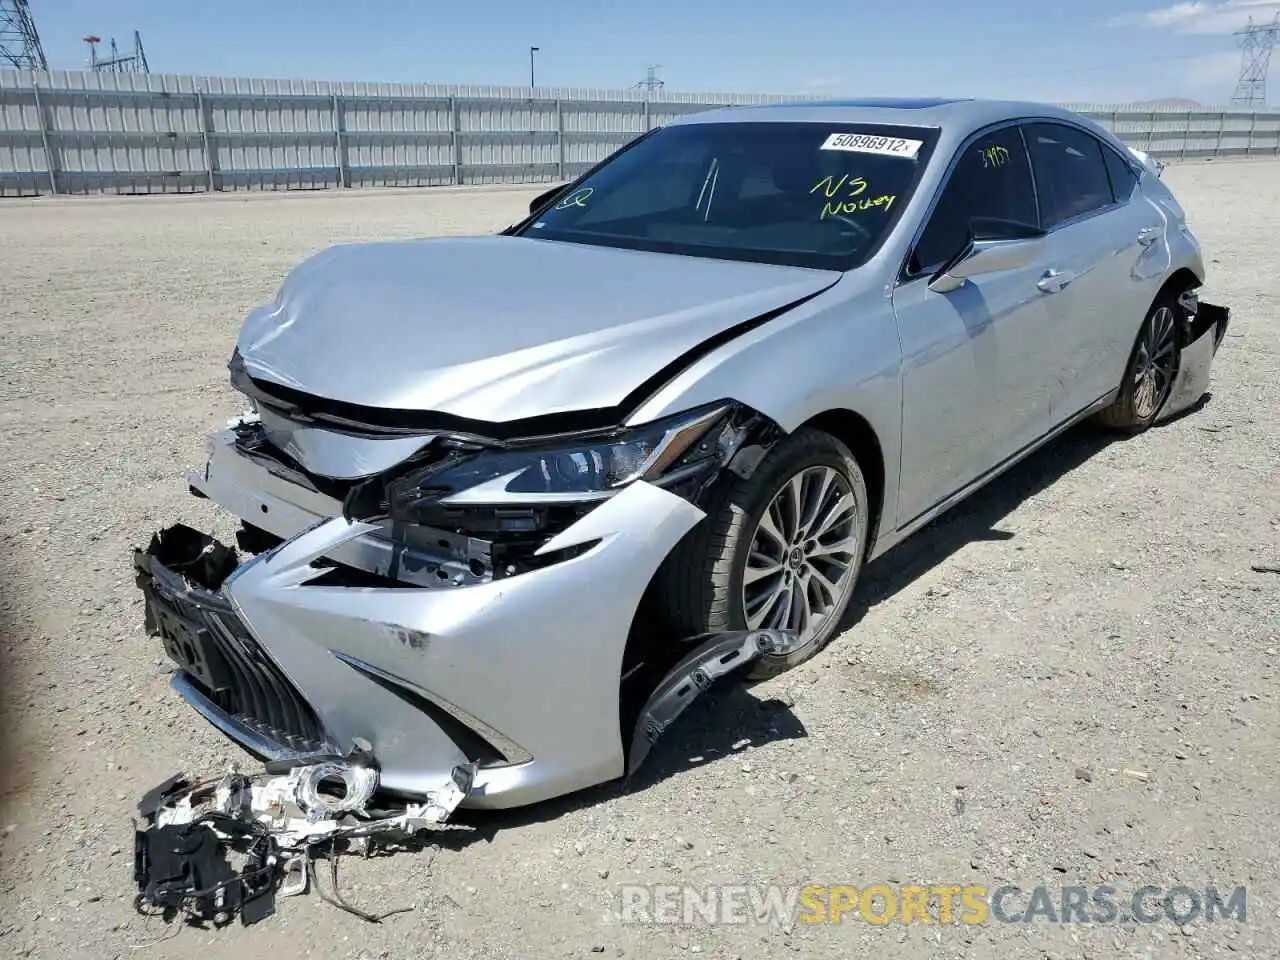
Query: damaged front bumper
1204,327
519,676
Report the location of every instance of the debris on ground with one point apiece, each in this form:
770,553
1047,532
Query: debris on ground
276,824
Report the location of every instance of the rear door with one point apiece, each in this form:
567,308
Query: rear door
1100,230
975,385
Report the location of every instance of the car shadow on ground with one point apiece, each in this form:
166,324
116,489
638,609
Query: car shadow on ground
720,720
975,519
718,724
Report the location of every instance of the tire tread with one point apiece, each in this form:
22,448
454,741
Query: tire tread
695,592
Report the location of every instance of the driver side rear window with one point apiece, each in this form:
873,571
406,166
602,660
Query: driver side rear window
992,178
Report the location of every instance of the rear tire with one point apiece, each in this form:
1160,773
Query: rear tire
757,563
1149,374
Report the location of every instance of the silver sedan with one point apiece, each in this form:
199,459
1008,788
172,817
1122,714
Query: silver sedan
513,500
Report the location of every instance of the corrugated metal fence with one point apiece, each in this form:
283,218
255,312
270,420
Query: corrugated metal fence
80,132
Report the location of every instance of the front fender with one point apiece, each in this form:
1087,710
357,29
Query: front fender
840,351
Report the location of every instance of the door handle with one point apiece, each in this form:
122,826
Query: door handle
1149,235
1055,280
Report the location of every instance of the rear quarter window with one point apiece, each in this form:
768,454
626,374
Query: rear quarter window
1123,177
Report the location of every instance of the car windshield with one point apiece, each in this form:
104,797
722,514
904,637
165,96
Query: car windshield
801,194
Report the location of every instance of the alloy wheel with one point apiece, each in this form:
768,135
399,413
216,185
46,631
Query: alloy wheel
1153,372
803,553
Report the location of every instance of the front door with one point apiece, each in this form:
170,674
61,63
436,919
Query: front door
978,370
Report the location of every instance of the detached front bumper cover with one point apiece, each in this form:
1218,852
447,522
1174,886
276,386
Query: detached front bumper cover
1204,328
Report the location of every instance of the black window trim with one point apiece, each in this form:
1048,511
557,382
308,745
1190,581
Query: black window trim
904,275
1102,145
1128,161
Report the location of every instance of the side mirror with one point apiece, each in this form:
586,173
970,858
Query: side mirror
993,246
543,197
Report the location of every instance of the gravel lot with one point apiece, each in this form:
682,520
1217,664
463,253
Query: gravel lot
1091,616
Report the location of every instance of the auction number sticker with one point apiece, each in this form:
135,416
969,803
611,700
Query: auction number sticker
862,143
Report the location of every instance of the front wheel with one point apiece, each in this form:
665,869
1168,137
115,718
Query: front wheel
781,550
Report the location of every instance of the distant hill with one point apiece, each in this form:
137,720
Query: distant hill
1172,102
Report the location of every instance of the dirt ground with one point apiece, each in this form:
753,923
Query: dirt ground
1069,681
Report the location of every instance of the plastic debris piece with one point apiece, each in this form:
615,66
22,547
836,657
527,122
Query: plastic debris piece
358,786
275,824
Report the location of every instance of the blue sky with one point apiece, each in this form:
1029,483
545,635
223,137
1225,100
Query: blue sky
1085,50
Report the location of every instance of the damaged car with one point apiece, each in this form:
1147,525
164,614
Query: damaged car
508,502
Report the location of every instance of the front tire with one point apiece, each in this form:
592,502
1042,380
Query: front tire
780,550
1149,374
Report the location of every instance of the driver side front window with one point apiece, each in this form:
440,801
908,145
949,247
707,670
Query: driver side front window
992,178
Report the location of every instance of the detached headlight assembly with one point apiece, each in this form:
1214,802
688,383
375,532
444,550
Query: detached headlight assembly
569,471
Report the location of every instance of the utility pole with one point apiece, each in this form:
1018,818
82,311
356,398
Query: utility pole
532,51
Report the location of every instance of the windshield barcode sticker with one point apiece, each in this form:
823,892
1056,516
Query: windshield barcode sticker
862,143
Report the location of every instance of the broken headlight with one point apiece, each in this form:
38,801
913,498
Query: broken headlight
571,470
510,488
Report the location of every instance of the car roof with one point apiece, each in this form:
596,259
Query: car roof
957,113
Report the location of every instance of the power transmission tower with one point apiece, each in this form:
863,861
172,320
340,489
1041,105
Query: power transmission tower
19,42
1256,43
117,62
651,82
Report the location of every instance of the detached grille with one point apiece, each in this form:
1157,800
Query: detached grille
204,636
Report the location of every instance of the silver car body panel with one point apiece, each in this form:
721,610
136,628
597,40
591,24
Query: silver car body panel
338,455
566,327
940,378
503,651
956,387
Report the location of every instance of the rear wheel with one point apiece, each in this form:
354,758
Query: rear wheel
781,550
1148,377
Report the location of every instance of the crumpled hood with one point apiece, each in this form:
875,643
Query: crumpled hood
500,328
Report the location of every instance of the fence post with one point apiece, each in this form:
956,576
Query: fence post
646,114
559,138
206,122
1222,126
339,144
454,146
1253,126
44,136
